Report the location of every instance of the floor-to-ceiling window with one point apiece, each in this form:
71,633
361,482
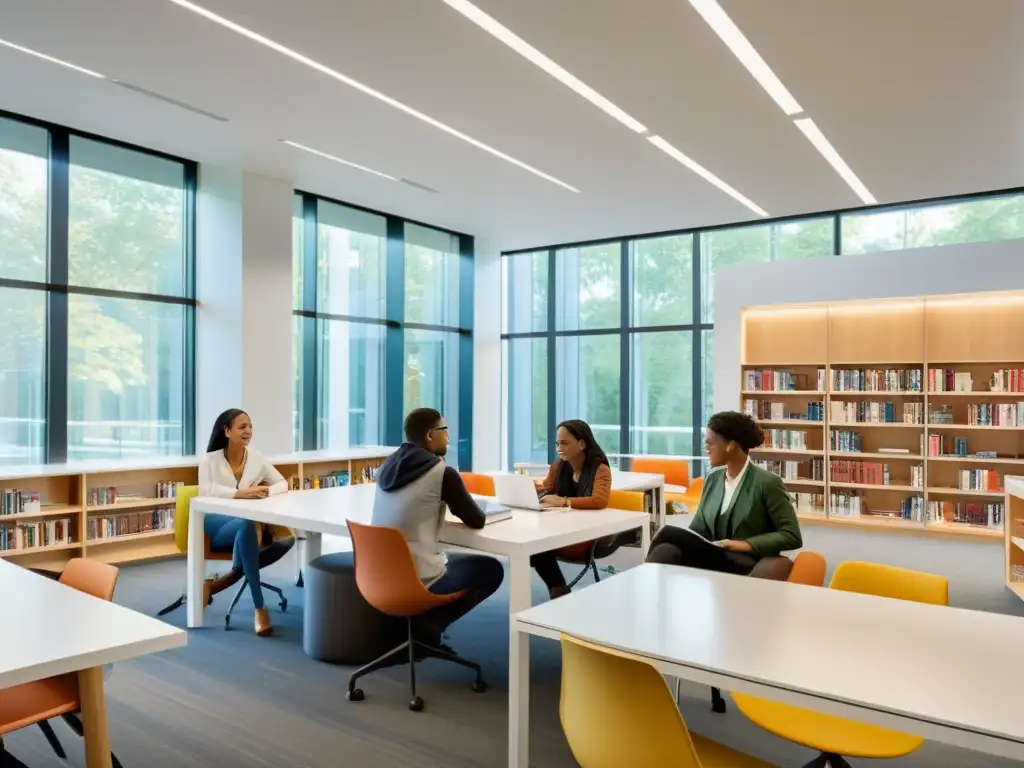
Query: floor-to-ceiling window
627,341
383,319
97,298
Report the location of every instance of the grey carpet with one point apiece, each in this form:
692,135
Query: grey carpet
231,699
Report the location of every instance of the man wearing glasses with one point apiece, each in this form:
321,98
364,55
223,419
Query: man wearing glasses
414,486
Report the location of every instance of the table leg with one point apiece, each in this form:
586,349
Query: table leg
660,505
645,540
518,665
312,549
196,569
94,718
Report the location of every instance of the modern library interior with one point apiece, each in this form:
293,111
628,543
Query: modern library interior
579,384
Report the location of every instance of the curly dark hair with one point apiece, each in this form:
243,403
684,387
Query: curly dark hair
738,428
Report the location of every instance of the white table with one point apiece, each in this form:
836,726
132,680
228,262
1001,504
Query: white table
929,670
50,629
327,510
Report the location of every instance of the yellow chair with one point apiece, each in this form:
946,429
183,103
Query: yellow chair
836,737
274,544
690,499
617,711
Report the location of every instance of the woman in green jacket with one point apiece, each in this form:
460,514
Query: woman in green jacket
744,513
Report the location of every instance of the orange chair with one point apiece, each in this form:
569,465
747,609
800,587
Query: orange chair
691,498
675,471
36,702
481,485
387,578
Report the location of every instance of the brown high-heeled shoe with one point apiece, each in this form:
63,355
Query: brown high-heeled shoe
262,623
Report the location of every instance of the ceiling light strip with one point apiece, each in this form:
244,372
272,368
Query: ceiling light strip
737,42
51,59
324,69
705,174
336,159
822,144
528,52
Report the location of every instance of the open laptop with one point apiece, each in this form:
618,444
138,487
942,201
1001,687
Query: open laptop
516,491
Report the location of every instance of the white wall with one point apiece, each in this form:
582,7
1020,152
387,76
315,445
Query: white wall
488,410
244,289
938,270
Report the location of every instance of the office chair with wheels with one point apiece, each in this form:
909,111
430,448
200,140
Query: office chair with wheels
386,576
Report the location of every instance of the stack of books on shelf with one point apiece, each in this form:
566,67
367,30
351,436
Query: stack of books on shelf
842,504
875,412
793,439
851,505
876,380
45,533
129,523
979,480
368,473
102,496
940,414
862,472
809,503
1007,380
329,480
943,445
15,502
995,414
966,513
796,470
948,380
772,410
772,380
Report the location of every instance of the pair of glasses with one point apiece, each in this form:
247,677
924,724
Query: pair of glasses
439,429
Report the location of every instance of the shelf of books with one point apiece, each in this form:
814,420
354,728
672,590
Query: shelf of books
120,512
900,415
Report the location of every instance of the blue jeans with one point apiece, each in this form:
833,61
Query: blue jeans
479,575
240,536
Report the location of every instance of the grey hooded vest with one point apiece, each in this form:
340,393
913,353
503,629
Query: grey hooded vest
418,512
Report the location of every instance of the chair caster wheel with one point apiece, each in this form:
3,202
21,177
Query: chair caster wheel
718,707
283,605
416,705
479,686
356,694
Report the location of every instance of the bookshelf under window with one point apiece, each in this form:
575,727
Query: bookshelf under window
899,414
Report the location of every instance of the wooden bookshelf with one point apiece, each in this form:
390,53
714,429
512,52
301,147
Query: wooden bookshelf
75,493
965,396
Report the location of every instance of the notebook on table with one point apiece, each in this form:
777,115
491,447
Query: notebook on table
493,511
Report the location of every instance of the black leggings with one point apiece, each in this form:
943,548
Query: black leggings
546,565
674,546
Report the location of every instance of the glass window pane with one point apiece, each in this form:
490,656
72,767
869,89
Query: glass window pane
298,246
24,150
297,357
969,221
526,379
525,309
587,385
431,276
351,261
708,393
791,240
662,280
661,413
22,375
126,220
588,287
351,387
432,376
125,378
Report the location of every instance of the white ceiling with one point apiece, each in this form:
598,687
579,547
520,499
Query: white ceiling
921,97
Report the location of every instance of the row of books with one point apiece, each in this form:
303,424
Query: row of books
1007,380
44,533
876,380
794,439
128,523
852,505
796,470
329,480
967,512
15,502
944,445
771,409
110,494
979,480
996,414
774,380
810,503
875,412
865,472
948,380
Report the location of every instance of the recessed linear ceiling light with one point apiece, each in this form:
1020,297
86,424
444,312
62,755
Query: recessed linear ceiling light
817,138
318,153
704,173
741,48
527,51
52,60
324,69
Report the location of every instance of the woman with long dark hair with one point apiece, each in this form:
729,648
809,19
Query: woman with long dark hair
578,479
231,470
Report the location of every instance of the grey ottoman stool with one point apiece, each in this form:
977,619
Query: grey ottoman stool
339,626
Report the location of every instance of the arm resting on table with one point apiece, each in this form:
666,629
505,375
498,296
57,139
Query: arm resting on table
460,503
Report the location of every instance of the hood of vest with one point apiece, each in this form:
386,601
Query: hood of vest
406,465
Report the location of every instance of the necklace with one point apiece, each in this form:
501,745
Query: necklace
237,469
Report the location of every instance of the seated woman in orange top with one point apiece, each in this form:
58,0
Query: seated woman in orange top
578,479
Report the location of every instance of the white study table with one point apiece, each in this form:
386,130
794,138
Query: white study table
327,510
930,670
51,629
